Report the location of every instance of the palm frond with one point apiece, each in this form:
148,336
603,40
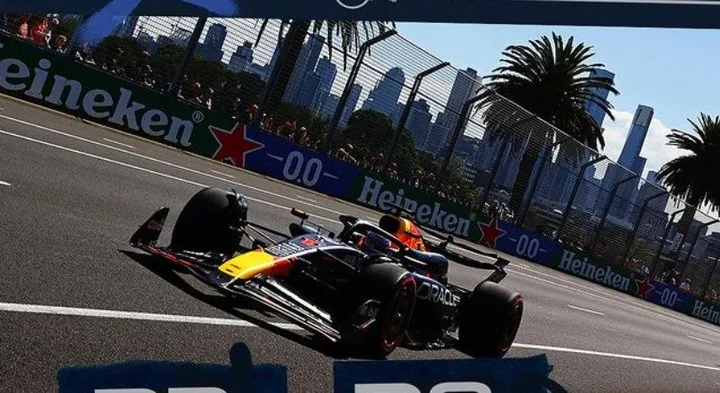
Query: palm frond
692,176
552,78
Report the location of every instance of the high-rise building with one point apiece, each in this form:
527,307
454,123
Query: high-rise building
436,136
651,189
384,97
629,159
352,102
269,67
329,107
304,66
127,27
638,167
636,137
211,48
241,60
310,90
418,121
593,109
399,108
327,71
464,87
587,193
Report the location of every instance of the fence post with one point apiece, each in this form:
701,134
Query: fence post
638,221
571,199
406,111
495,167
656,258
606,211
536,180
350,82
458,129
692,246
710,275
290,46
189,53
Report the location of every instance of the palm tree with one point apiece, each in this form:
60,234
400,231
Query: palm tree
553,81
692,177
350,37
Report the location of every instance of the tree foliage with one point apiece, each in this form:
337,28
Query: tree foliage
692,176
541,87
371,132
349,33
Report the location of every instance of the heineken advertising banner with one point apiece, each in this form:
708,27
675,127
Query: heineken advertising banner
510,239
35,75
628,13
59,83
381,193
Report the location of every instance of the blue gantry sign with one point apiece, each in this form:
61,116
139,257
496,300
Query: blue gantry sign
628,13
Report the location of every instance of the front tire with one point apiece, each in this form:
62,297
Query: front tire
394,288
205,223
489,319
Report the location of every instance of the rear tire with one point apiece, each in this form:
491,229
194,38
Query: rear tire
489,319
205,223
395,289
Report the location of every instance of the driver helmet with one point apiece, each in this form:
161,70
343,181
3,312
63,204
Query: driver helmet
373,243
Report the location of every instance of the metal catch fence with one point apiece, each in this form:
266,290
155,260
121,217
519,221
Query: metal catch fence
374,98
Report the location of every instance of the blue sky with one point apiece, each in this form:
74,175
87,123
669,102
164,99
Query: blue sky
675,71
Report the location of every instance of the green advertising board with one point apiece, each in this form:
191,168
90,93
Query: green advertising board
61,83
580,264
381,193
706,311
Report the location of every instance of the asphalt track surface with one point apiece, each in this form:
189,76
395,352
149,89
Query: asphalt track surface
72,193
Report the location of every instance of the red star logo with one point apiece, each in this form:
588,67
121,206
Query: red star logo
234,144
644,287
490,233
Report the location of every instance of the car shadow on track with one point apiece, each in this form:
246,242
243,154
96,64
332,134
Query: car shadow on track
232,307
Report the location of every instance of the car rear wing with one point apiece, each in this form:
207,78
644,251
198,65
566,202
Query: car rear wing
498,266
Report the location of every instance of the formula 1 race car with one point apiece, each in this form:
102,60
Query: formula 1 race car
368,289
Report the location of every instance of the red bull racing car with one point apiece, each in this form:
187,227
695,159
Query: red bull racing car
368,288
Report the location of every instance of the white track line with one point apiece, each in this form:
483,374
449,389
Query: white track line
306,199
628,305
699,339
614,355
587,310
176,166
118,143
287,208
143,316
605,296
223,174
4,183
114,314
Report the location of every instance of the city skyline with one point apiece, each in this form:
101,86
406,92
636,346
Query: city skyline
434,102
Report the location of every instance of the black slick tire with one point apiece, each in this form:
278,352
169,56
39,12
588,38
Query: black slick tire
394,288
489,319
204,224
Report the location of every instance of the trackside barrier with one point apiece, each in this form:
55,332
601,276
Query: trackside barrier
59,83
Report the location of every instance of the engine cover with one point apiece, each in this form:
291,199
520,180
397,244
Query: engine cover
435,309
